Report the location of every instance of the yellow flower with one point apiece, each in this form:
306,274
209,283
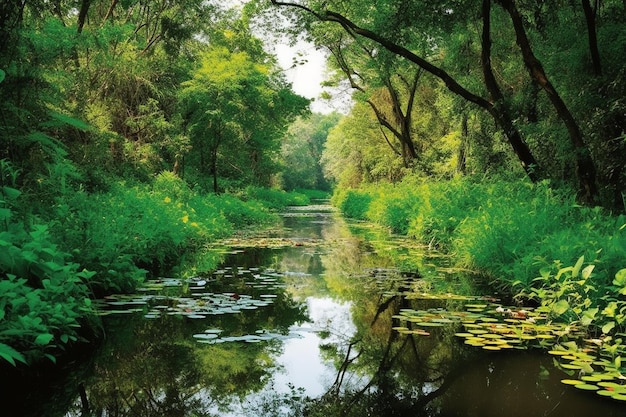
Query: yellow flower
167,200
194,224
185,218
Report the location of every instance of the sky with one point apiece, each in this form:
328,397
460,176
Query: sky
307,77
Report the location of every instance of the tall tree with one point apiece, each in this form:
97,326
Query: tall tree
499,113
236,112
585,168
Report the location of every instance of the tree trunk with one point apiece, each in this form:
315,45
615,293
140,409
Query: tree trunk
403,118
585,168
500,110
82,15
403,133
590,18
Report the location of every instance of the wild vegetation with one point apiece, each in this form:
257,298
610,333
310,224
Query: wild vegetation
486,129
134,134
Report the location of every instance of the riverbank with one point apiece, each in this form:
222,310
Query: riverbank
89,245
532,241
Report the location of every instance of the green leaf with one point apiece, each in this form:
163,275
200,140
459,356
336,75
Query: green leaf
70,121
560,307
43,339
588,316
587,272
620,278
11,355
2,75
608,327
5,214
11,193
579,264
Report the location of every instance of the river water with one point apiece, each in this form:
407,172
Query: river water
299,321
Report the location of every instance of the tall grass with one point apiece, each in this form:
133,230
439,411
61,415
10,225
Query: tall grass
506,230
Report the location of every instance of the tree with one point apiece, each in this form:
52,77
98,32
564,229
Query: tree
395,28
499,113
235,112
302,152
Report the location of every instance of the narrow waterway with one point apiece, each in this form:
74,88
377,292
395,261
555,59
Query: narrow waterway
303,320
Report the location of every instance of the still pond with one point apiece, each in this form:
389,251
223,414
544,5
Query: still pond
319,317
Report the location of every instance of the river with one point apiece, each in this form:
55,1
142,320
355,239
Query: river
302,320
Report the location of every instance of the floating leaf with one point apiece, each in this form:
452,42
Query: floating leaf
490,347
587,387
572,381
205,336
619,396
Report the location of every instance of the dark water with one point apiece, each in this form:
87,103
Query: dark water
298,322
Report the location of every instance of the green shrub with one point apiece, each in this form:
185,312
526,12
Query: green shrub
43,297
127,230
314,194
241,213
442,207
394,206
276,199
352,203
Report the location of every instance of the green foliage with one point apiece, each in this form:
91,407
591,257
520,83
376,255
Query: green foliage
394,206
235,112
127,228
507,230
43,299
575,295
276,199
301,152
313,194
242,213
353,204
444,205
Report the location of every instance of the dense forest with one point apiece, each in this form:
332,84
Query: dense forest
134,133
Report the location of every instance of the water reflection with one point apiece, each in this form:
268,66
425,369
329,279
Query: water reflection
332,350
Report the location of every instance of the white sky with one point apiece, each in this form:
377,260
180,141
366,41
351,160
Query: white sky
307,77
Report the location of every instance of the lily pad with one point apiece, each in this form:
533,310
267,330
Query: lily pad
587,387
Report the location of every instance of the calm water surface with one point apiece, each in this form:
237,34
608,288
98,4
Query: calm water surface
298,322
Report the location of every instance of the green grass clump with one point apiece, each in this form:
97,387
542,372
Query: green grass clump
508,230
353,204
276,199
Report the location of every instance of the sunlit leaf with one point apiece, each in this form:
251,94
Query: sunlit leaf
43,339
560,307
587,387
579,264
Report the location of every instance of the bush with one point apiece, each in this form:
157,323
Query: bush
42,294
394,206
240,213
276,199
314,194
127,231
352,203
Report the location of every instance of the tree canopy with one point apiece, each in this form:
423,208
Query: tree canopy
555,98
